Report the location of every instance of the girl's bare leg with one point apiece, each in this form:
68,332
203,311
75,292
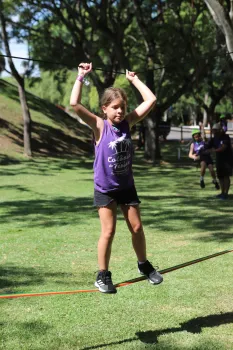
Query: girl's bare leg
107,217
212,172
133,220
203,168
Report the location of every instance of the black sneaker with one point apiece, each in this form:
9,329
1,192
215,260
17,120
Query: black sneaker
154,277
216,184
104,282
202,184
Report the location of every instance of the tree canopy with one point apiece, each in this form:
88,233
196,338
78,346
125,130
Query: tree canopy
173,45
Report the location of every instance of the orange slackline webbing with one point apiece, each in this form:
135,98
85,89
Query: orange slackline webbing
122,284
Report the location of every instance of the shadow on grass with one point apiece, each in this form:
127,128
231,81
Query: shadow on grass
169,212
193,326
35,328
66,138
157,213
218,236
6,160
12,277
49,141
44,166
48,213
43,106
15,188
26,330
175,206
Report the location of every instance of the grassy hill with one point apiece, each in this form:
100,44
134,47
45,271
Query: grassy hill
54,132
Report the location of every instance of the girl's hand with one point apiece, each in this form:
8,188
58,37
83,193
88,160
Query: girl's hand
131,75
84,68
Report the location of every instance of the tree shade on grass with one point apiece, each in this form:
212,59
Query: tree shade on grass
48,236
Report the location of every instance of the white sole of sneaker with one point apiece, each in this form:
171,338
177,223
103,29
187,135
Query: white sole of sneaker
151,282
104,291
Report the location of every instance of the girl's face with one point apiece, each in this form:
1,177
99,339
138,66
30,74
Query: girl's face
115,111
197,137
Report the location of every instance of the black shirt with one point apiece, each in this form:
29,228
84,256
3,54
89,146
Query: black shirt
226,155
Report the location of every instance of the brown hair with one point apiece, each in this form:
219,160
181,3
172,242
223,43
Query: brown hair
110,94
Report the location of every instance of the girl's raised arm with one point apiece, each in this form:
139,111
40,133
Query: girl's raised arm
148,103
191,155
75,100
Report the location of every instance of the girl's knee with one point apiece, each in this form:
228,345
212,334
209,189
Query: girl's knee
137,229
107,234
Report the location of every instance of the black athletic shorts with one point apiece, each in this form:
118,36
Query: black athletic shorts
206,158
127,196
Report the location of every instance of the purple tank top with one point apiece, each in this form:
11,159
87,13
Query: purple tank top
113,159
198,146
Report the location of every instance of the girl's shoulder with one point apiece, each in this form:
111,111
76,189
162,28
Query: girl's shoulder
100,122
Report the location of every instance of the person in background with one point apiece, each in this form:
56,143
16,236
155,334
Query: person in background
196,150
221,145
223,122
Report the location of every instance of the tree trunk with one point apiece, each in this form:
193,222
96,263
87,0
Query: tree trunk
158,116
152,146
20,82
26,121
210,116
222,21
205,116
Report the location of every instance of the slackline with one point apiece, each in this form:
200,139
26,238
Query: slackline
121,284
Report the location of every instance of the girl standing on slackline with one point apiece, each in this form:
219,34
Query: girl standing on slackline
113,177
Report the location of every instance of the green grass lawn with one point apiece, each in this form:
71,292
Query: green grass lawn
48,237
